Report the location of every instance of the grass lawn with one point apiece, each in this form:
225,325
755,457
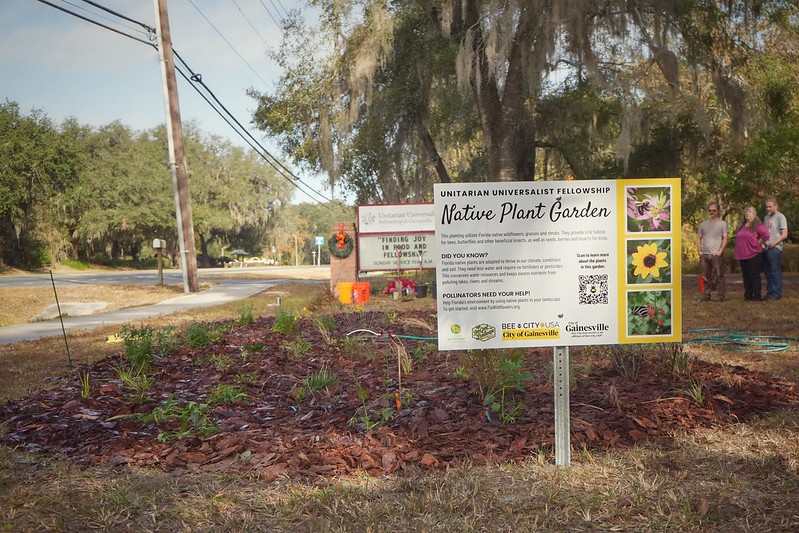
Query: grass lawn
735,477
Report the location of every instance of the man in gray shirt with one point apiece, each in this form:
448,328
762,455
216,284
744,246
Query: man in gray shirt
712,241
777,226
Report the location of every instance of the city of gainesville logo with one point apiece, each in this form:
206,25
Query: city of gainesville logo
455,329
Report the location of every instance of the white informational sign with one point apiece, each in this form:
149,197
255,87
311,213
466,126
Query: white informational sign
393,252
395,218
318,241
567,263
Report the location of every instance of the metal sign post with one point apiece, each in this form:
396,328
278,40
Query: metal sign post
562,423
318,241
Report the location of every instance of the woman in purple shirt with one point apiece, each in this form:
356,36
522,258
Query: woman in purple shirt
749,251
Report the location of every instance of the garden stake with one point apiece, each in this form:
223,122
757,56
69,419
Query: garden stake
61,318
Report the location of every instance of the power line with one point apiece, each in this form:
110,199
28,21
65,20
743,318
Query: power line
282,170
197,78
277,165
286,11
120,15
100,15
271,16
227,42
97,23
250,23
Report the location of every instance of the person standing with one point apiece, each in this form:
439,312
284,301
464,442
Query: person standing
712,234
749,240
777,226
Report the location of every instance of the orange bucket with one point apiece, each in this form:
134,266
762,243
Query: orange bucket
360,292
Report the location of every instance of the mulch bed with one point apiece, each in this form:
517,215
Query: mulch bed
440,418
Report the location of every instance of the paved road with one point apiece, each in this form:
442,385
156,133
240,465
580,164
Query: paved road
225,290
171,277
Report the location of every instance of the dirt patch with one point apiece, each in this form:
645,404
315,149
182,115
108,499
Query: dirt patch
395,402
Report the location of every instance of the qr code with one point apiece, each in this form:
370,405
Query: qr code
593,289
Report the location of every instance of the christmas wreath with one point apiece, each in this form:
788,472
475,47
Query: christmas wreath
340,245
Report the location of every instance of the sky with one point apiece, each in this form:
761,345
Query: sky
69,68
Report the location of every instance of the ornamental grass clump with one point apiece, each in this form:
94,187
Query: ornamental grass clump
285,322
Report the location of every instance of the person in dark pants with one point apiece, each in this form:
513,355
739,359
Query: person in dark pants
777,226
712,239
749,241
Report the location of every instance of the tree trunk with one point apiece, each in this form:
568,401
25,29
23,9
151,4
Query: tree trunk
509,134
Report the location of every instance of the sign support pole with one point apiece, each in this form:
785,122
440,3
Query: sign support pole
562,415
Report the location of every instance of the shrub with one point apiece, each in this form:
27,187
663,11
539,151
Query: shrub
199,335
497,375
285,322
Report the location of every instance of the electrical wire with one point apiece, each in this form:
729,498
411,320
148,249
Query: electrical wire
279,167
120,15
271,16
100,15
77,15
228,42
260,153
286,11
196,78
250,23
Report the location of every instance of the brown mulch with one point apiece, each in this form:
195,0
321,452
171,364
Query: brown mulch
440,418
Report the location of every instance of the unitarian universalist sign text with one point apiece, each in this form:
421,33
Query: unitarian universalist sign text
557,263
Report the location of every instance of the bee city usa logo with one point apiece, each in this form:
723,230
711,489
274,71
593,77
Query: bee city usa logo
484,332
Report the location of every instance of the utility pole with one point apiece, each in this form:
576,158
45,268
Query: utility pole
177,155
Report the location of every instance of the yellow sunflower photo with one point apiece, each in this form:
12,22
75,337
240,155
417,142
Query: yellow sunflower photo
649,261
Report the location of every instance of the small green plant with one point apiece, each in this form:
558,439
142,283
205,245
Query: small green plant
285,322
364,418
220,362
297,349
497,376
191,419
510,415
165,341
628,359
224,393
299,392
406,399
325,324
139,345
85,385
322,379
137,381
143,345
252,347
390,318
199,335
695,390
676,359
420,353
328,322
252,377
349,346
246,315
